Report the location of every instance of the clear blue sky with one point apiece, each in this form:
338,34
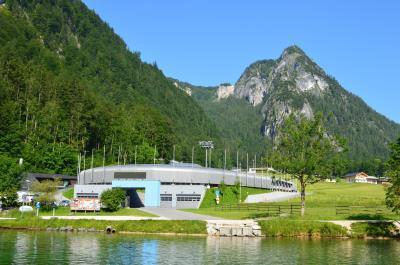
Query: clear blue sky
210,42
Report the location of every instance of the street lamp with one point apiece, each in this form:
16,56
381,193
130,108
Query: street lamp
207,145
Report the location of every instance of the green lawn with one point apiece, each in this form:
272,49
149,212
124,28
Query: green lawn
321,200
65,211
228,196
69,193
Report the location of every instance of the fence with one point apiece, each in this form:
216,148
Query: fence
265,208
351,210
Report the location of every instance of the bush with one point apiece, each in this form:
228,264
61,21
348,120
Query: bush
9,198
112,199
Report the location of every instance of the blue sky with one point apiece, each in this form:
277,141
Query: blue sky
210,42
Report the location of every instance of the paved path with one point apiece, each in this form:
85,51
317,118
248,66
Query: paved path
174,214
275,196
106,218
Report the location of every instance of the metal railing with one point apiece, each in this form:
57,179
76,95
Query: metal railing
265,208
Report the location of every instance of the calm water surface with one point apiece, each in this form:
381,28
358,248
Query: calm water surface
20,247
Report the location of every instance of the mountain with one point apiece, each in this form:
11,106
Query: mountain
293,83
69,84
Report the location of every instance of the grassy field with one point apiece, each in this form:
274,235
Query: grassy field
321,200
147,226
69,193
65,211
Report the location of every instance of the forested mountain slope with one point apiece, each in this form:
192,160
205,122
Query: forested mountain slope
68,83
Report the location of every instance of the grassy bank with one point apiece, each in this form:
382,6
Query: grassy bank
65,211
228,196
294,228
145,226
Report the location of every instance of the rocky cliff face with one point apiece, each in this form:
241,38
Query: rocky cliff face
224,91
279,86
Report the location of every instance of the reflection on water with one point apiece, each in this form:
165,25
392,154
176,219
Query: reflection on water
20,247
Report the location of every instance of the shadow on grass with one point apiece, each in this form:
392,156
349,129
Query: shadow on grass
364,216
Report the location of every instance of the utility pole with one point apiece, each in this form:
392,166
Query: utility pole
154,156
224,163
173,154
247,166
104,164
119,151
240,177
192,155
210,157
255,169
84,166
135,153
206,158
78,169
91,166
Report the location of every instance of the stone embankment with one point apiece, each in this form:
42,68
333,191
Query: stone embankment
235,228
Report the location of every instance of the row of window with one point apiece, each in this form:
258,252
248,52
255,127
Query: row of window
188,199
87,195
181,198
166,198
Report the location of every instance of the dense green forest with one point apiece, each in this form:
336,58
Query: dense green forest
69,84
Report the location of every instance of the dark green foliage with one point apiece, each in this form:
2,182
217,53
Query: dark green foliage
112,199
380,229
8,198
393,172
68,83
10,173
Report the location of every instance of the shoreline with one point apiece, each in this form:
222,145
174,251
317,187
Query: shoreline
170,234
269,229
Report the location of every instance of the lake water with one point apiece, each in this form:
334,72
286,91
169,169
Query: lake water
21,247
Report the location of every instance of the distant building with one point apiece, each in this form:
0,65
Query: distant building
361,177
31,177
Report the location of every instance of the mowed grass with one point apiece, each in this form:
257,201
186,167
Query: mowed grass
228,197
65,211
321,201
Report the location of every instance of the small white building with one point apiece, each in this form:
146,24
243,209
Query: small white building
361,177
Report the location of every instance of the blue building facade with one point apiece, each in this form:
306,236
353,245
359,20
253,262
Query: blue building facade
152,189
